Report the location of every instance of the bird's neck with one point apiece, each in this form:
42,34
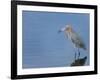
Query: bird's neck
68,34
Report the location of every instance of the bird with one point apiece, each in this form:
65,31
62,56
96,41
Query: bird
74,38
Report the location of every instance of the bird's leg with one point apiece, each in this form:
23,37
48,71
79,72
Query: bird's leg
75,56
78,53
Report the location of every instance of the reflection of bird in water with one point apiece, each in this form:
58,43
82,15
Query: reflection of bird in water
74,37
79,62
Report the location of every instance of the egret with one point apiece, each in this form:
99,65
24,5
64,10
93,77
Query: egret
74,38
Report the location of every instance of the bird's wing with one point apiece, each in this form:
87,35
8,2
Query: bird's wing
76,39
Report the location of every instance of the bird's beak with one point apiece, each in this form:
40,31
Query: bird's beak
61,30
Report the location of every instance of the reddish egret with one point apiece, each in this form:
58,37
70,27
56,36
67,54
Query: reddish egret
74,38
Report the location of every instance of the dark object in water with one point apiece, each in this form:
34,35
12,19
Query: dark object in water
79,62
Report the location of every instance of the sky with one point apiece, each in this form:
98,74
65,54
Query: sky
43,46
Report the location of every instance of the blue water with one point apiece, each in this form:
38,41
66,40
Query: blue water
43,46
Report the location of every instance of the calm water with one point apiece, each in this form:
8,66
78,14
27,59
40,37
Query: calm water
43,46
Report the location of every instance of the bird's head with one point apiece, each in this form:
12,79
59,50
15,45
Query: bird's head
67,28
